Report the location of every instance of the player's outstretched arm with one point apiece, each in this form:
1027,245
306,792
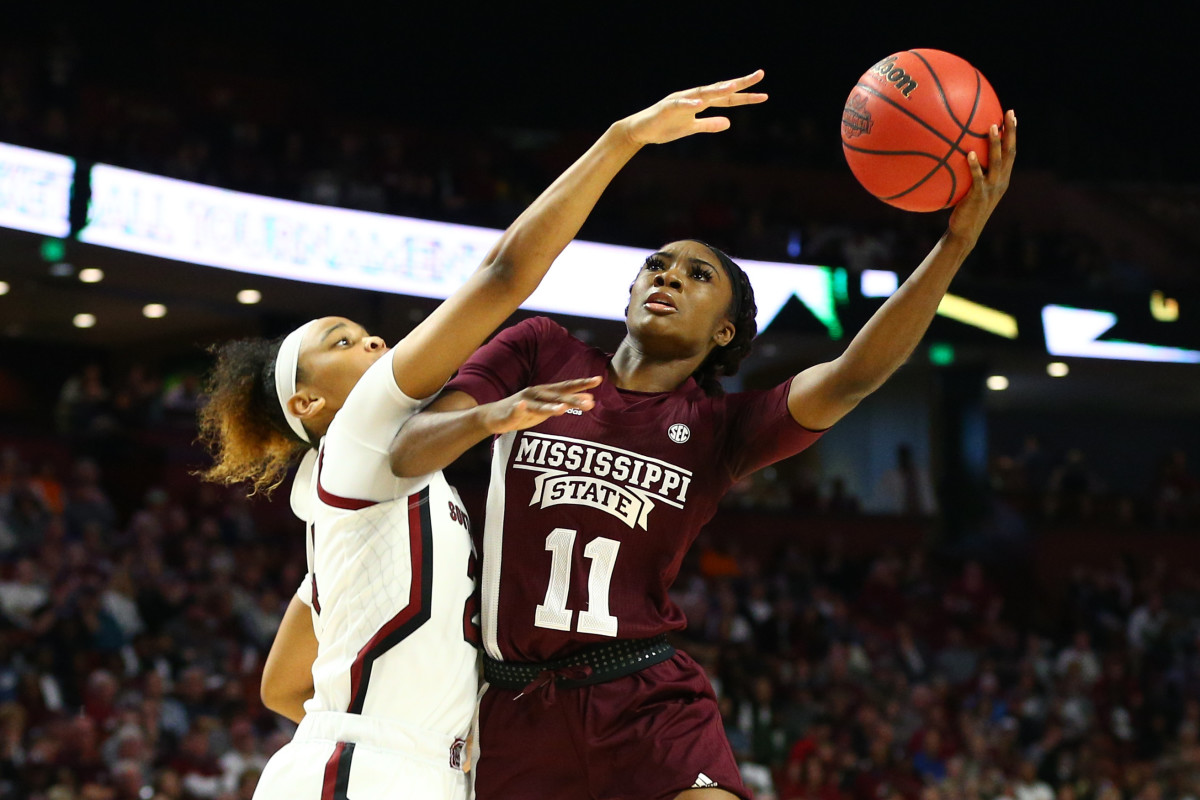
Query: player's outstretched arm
433,439
824,393
425,359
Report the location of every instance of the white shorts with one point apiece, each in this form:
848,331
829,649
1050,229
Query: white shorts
334,756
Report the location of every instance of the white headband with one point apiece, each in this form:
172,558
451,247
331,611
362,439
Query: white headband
286,364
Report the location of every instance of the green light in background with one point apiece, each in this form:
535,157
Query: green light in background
941,354
819,293
53,250
841,281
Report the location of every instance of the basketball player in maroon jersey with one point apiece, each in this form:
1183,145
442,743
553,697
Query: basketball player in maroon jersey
379,665
589,515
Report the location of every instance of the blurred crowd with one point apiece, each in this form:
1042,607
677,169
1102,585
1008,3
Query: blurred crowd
131,645
255,137
1067,487
137,607
1032,485
893,676
1036,483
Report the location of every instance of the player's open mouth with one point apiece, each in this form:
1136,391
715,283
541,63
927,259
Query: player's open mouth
660,303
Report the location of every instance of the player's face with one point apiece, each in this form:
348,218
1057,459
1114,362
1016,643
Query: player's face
334,355
682,295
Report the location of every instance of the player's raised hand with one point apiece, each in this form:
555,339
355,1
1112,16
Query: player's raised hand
674,116
972,212
537,404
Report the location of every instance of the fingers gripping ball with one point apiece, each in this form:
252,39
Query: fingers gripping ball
909,124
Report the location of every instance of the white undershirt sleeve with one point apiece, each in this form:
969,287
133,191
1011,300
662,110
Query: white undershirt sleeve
304,592
355,462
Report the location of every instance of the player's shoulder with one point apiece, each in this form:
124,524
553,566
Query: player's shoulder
728,407
546,337
544,328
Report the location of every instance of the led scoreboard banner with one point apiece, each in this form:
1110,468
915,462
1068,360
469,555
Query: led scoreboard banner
189,222
35,190
199,224
1124,326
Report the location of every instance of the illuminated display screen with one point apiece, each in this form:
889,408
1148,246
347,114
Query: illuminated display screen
1081,332
199,224
35,190
1139,327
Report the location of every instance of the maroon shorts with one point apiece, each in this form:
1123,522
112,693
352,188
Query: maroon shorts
649,736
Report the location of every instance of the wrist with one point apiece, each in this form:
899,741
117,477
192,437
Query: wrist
487,419
621,133
961,241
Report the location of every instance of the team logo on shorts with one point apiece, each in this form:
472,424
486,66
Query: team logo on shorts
679,433
456,753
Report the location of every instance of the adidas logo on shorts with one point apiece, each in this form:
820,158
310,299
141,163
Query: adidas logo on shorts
704,782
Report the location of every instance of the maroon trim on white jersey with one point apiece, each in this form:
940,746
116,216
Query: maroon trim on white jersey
420,600
329,499
337,772
312,533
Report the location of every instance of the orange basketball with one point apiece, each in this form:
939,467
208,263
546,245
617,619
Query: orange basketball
909,124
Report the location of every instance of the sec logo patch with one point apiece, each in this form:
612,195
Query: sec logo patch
679,433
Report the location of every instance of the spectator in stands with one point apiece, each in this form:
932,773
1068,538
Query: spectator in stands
971,597
839,499
1176,491
904,489
1073,488
182,400
23,594
199,772
244,755
83,403
87,502
957,660
929,762
1029,787
1147,624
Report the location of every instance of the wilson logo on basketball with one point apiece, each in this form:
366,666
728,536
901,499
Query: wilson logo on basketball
887,69
856,120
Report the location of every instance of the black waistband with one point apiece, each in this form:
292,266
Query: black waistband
604,662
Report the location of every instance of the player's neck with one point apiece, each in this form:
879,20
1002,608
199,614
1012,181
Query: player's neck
635,370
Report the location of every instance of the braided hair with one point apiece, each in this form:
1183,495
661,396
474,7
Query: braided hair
241,423
742,311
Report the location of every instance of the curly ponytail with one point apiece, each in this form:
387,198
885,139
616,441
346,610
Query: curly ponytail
726,360
241,423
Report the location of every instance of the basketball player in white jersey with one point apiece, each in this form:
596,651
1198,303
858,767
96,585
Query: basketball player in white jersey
376,655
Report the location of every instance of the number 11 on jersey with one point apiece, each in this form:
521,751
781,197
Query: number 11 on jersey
553,612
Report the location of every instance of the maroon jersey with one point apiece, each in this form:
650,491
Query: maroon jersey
590,514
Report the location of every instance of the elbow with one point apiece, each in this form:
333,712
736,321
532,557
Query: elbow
855,382
271,696
851,390
854,393
285,702
506,279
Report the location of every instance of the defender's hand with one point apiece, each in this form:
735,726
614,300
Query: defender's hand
674,117
537,404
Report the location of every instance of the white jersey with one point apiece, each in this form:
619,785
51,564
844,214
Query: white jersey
390,586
